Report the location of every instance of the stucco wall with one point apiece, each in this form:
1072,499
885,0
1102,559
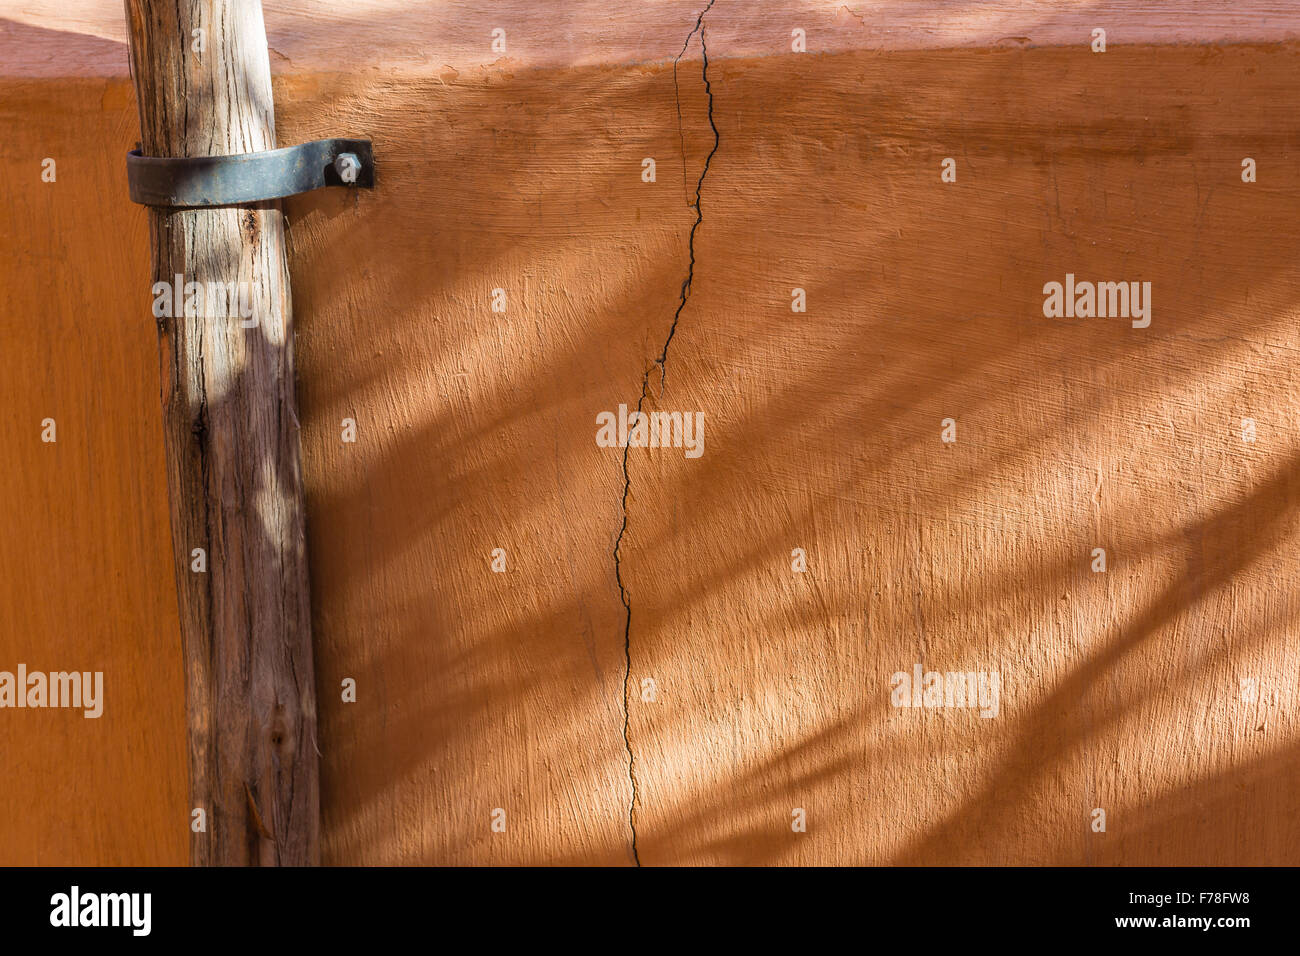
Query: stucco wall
476,430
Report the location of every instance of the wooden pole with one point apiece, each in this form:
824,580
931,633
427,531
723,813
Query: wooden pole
203,82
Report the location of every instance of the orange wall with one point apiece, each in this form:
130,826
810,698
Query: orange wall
476,430
85,554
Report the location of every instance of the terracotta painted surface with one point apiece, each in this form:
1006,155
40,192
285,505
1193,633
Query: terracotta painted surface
1122,690
476,430
86,578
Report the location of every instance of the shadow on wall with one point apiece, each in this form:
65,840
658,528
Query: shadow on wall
476,431
479,690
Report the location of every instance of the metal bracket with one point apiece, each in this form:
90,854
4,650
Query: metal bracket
203,181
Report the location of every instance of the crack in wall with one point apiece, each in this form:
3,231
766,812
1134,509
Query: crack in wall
662,362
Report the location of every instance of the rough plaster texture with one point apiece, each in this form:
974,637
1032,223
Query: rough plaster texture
476,430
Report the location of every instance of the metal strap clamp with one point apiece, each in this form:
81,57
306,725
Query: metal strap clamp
204,181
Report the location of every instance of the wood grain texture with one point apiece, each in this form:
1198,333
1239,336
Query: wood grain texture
476,431
231,428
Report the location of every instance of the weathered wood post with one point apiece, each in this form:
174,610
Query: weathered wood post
203,81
